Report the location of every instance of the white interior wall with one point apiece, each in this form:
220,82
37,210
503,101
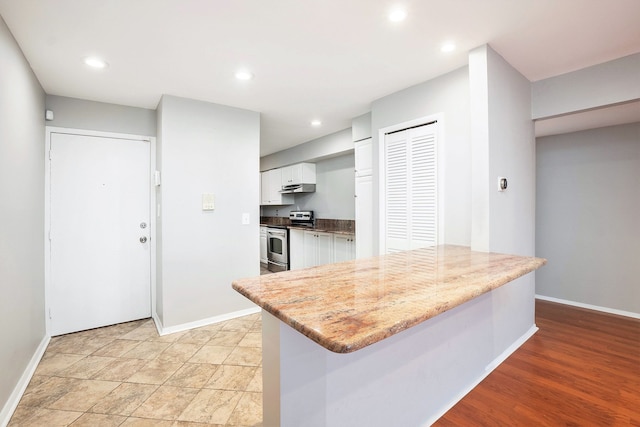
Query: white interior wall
449,95
610,83
361,127
82,114
22,322
207,148
588,199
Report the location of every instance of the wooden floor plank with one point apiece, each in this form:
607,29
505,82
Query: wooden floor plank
582,368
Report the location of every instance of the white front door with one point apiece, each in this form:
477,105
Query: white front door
100,251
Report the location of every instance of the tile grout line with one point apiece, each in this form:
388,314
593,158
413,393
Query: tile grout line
57,347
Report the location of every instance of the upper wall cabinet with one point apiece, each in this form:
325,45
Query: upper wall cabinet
270,186
300,173
363,157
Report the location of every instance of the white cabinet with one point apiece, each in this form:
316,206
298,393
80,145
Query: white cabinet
344,247
263,244
296,249
309,248
318,248
270,186
363,157
264,188
300,173
364,198
364,216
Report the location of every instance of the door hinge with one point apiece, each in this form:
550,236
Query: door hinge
49,235
50,154
49,313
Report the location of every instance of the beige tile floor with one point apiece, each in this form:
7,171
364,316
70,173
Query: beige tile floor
128,375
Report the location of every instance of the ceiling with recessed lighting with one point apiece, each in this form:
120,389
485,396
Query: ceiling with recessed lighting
309,60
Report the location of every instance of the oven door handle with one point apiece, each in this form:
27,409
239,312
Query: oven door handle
277,233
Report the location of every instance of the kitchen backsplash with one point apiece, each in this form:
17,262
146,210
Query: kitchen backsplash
336,224
275,220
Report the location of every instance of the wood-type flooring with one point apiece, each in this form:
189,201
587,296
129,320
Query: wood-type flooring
582,368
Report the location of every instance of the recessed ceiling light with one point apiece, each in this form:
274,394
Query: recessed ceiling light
316,122
95,62
244,75
448,47
397,15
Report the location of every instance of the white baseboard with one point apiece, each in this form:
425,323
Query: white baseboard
487,370
509,351
204,322
21,386
590,307
157,322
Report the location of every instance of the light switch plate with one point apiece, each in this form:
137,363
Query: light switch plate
208,203
245,218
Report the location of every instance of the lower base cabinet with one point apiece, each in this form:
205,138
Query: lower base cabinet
344,247
263,245
318,248
296,249
310,248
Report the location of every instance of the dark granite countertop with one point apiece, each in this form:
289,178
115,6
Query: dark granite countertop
337,226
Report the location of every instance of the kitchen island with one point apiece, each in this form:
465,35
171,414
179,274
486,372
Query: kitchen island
389,340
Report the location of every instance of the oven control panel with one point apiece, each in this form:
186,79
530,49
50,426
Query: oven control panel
301,215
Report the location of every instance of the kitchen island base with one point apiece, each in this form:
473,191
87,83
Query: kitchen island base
409,379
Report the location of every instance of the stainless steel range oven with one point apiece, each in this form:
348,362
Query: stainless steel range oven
277,248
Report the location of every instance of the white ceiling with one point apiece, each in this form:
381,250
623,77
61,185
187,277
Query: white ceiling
311,59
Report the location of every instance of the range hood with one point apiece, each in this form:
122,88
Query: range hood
298,188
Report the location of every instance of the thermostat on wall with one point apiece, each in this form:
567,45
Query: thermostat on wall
502,183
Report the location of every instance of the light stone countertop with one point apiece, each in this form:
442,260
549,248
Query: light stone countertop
350,305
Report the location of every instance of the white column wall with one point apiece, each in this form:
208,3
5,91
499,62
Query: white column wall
206,148
503,144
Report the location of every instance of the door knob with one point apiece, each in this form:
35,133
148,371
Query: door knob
143,225
143,239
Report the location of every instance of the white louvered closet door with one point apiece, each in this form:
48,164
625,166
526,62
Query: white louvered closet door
411,189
